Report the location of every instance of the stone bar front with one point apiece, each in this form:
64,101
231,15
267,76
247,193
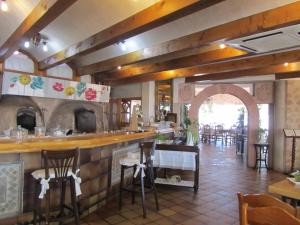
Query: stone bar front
99,166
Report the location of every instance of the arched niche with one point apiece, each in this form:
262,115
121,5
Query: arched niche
246,98
61,71
20,62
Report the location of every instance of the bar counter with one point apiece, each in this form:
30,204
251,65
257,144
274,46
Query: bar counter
68,142
99,166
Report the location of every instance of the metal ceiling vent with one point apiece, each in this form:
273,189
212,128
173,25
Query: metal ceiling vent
275,40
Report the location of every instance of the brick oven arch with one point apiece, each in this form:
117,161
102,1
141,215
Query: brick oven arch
246,98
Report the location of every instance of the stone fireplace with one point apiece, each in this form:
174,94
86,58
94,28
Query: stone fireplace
55,112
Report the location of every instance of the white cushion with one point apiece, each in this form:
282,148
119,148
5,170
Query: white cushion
39,174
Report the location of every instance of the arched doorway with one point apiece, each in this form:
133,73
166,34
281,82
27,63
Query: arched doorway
246,98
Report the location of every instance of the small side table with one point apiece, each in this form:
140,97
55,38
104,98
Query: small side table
261,150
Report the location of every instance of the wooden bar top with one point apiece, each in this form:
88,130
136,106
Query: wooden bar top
69,142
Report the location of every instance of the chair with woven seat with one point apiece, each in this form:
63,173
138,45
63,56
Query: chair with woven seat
60,170
260,201
143,175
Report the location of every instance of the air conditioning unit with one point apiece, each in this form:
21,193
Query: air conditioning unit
275,40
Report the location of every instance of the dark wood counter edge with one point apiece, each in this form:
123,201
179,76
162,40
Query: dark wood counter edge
84,142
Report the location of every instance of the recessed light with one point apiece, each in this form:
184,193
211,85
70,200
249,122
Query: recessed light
16,52
286,64
45,47
119,67
4,6
222,46
26,44
123,46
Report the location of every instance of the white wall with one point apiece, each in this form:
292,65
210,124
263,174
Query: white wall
148,100
19,62
63,71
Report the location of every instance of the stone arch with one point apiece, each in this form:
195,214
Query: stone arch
246,98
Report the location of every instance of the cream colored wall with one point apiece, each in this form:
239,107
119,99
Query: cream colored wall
177,107
279,124
148,100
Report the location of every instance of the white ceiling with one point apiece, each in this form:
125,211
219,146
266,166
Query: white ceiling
87,17
17,12
221,13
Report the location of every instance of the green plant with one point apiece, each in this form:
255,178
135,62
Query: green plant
193,127
160,137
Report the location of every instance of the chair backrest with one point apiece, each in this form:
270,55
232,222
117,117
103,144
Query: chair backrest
206,129
263,200
61,162
266,216
219,129
147,150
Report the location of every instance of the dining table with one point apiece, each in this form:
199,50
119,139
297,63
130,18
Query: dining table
287,190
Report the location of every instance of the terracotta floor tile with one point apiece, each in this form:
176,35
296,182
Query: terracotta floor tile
222,174
115,219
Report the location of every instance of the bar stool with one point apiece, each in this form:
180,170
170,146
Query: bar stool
60,169
261,150
143,176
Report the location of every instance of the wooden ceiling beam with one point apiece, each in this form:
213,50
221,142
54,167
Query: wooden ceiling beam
43,14
288,75
265,21
188,61
278,69
246,63
156,15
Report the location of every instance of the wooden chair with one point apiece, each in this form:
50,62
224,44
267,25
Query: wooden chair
143,176
60,169
206,135
266,216
218,133
261,200
230,136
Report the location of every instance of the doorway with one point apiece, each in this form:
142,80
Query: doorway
248,101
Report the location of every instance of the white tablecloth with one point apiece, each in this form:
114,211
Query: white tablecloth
175,160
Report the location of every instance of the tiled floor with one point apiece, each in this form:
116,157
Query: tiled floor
222,175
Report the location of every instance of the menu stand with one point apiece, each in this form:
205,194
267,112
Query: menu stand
294,134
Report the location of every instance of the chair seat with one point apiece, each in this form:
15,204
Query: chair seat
40,174
132,159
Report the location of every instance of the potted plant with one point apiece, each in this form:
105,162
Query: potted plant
192,132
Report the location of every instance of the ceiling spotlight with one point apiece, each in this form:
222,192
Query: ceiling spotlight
4,6
45,47
26,44
222,46
123,45
286,64
16,52
119,67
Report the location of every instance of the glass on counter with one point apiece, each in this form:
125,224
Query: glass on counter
39,131
20,133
